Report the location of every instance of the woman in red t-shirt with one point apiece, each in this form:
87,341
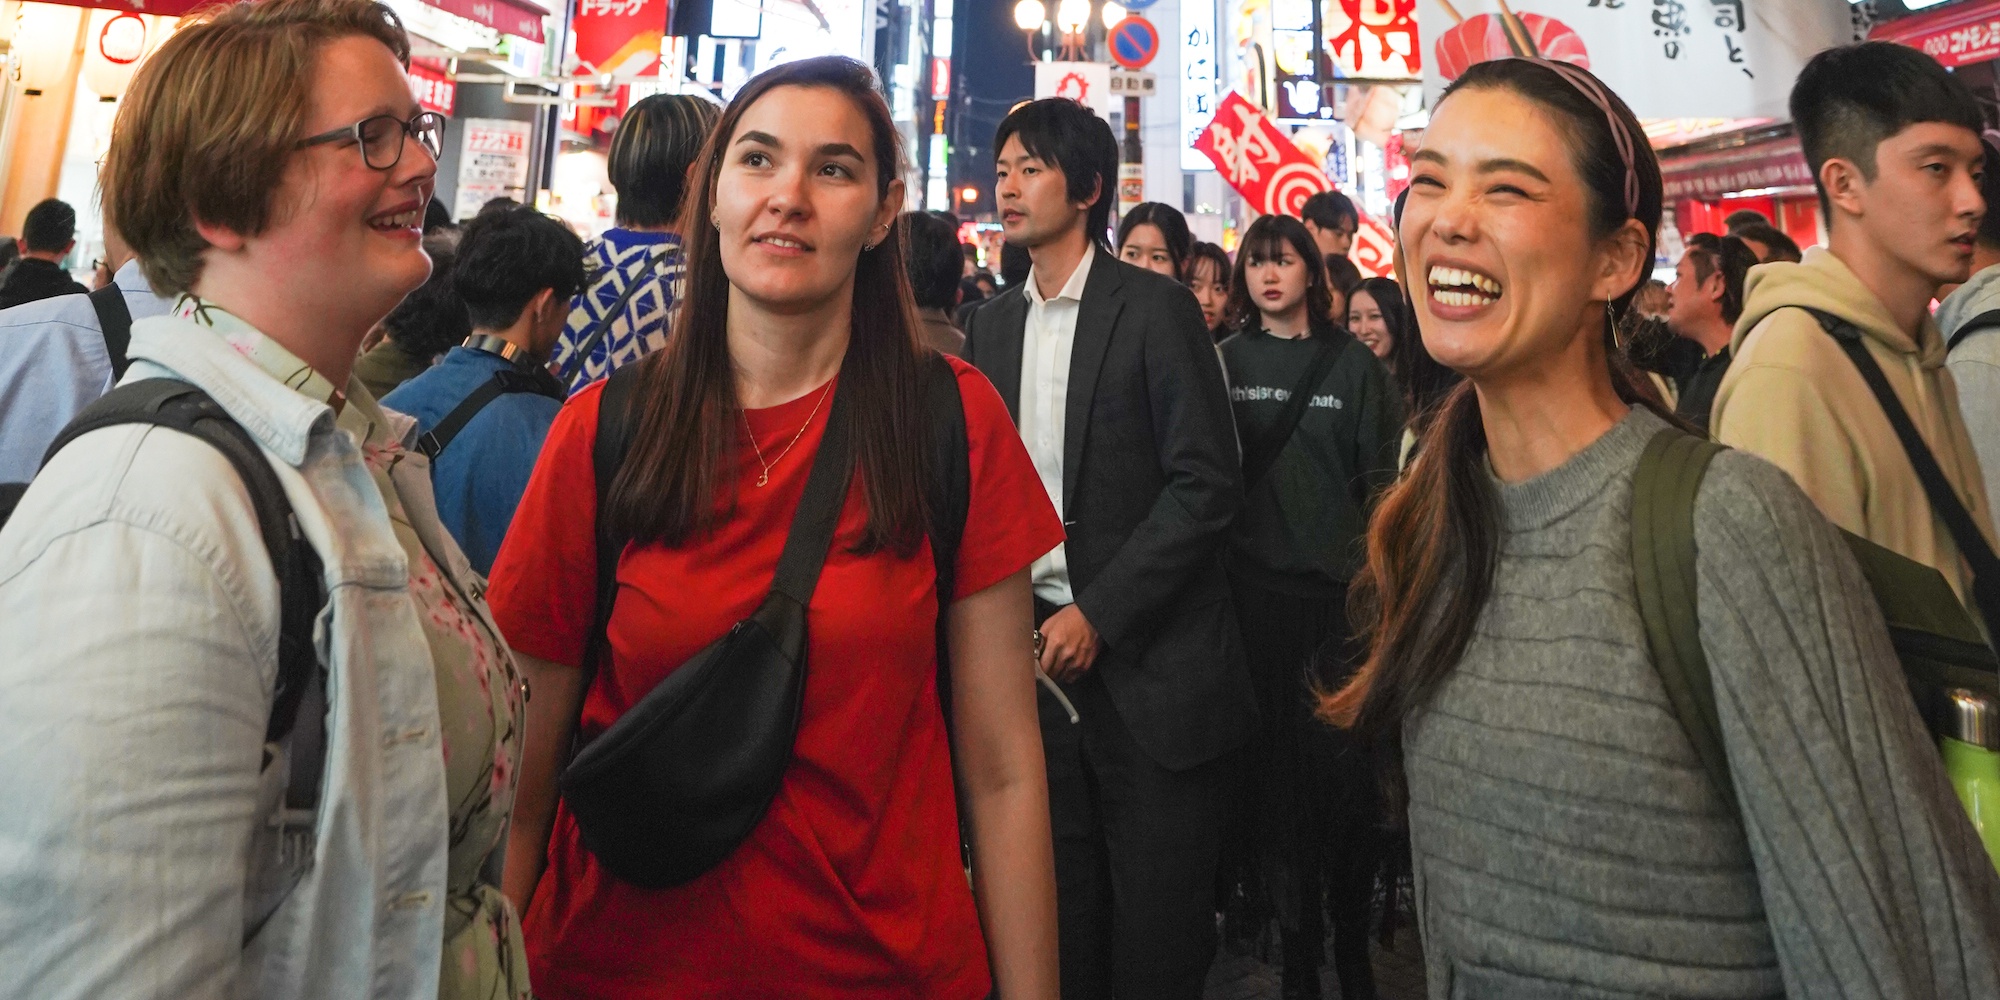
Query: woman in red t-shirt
852,884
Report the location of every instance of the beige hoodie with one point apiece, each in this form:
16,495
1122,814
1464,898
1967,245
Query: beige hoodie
1793,397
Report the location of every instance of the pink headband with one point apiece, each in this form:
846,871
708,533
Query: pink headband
1590,87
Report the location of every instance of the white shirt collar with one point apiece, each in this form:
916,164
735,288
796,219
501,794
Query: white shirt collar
1071,289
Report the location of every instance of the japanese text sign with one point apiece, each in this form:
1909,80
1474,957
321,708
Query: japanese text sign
1666,58
1258,160
621,38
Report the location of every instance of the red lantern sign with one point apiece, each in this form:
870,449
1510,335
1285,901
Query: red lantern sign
1258,160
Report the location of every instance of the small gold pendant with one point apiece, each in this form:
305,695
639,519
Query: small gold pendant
763,478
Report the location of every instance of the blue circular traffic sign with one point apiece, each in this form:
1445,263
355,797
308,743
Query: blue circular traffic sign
1134,42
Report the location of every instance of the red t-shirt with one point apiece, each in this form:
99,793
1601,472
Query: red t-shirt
851,885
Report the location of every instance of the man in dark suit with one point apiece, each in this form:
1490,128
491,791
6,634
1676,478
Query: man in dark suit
1115,385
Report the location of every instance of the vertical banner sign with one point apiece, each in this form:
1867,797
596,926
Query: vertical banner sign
1258,160
620,38
1199,76
493,163
1666,58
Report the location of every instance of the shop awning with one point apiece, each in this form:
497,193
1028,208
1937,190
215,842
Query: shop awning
1761,166
521,18
1958,35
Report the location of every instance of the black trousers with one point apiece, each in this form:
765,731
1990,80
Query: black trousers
1136,848
1304,842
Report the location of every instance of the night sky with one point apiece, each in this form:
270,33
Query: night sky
991,63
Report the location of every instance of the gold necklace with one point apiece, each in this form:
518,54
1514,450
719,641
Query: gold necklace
759,452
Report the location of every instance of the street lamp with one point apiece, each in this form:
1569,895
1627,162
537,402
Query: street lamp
968,194
1030,16
1113,13
1072,15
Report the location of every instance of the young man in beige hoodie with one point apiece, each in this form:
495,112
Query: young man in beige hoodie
1893,140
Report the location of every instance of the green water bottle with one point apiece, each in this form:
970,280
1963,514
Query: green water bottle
1972,760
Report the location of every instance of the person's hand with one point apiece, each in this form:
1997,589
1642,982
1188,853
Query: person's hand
1069,645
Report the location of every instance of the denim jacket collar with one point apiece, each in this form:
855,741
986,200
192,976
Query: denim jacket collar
279,416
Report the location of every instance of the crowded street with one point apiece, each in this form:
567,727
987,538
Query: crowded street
1019,499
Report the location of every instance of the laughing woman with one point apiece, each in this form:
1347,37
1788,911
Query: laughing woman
1567,840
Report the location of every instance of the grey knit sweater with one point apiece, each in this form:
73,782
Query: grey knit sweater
1568,843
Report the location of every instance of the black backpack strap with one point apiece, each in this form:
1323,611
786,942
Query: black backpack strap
1971,541
950,497
602,327
1263,453
179,406
115,319
617,423
1986,320
504,381
1663,576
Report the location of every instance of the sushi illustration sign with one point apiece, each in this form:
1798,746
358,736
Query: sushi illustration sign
1666,58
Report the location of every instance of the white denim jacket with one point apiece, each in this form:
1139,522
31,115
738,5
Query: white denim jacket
138,638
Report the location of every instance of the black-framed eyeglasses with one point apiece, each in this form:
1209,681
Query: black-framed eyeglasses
381,137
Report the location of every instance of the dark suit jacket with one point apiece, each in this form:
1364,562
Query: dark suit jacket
1151,481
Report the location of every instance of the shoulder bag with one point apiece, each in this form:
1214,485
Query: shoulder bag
1260,455
681,779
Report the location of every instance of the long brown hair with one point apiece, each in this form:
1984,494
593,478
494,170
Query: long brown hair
688,426
1433,543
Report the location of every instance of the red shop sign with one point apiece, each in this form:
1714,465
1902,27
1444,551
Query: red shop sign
435,90
1955,36
1759,167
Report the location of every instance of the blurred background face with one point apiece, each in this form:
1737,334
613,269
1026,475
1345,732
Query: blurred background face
1211,289
795,199
1332,239
1692,302
1276,277
1501,260
349,236
1145,247
1366,322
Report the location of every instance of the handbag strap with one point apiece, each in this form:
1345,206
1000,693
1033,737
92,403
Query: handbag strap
818,514
598,330
1972,543
1261,456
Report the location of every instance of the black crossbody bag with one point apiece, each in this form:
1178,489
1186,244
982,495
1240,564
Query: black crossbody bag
683,776
1261,454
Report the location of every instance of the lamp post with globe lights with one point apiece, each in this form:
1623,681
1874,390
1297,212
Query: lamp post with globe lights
1031,16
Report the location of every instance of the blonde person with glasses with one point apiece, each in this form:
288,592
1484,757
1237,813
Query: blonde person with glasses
162,835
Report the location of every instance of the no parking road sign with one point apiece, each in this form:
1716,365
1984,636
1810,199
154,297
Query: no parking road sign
1134,42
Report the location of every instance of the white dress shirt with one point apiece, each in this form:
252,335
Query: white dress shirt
1045,349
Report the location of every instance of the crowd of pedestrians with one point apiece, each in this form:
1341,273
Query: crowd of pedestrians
761,600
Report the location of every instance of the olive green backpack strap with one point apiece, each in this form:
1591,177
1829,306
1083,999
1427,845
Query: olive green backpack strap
1663,573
